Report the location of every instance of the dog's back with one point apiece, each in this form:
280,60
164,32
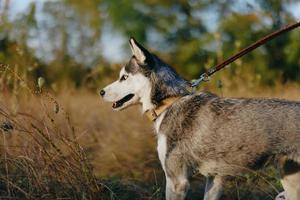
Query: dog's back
227,135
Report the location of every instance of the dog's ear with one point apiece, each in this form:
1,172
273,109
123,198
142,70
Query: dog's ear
141,53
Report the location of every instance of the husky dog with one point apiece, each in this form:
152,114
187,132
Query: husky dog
218,137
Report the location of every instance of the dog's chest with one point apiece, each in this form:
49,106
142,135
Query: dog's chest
161,141
157,123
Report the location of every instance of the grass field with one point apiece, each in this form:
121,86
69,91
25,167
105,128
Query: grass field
71,145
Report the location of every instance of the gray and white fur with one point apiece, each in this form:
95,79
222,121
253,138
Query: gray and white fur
218,137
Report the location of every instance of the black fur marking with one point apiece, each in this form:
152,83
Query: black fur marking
290,167
164,79
165,82
261,161
159,92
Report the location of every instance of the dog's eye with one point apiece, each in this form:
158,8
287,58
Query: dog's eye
124,77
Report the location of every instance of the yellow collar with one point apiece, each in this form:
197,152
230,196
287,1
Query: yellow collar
166,103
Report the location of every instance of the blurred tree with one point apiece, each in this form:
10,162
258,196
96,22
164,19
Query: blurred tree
278,51
184,35
172,27
14,50
190,35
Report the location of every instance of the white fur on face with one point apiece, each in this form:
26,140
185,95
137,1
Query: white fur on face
136,84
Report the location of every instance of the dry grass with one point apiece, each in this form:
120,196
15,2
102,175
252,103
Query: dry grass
56,148
73,146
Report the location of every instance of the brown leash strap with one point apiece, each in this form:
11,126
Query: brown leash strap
258,43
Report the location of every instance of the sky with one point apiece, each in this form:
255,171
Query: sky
113,41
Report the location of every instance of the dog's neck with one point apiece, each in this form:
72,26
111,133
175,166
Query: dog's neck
154,113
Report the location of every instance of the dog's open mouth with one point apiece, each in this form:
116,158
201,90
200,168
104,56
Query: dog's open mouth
119,103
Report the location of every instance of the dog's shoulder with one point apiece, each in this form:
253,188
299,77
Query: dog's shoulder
185,111
196,100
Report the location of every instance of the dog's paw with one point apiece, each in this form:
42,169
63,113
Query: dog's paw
281,196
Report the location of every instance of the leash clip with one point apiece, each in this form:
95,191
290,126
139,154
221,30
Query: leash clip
203,78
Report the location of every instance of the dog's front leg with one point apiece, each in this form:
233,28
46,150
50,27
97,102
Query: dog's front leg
213,188
177,183
175,170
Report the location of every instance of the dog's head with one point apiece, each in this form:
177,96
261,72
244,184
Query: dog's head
145,79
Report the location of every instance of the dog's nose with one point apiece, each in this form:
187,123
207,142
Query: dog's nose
102,93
